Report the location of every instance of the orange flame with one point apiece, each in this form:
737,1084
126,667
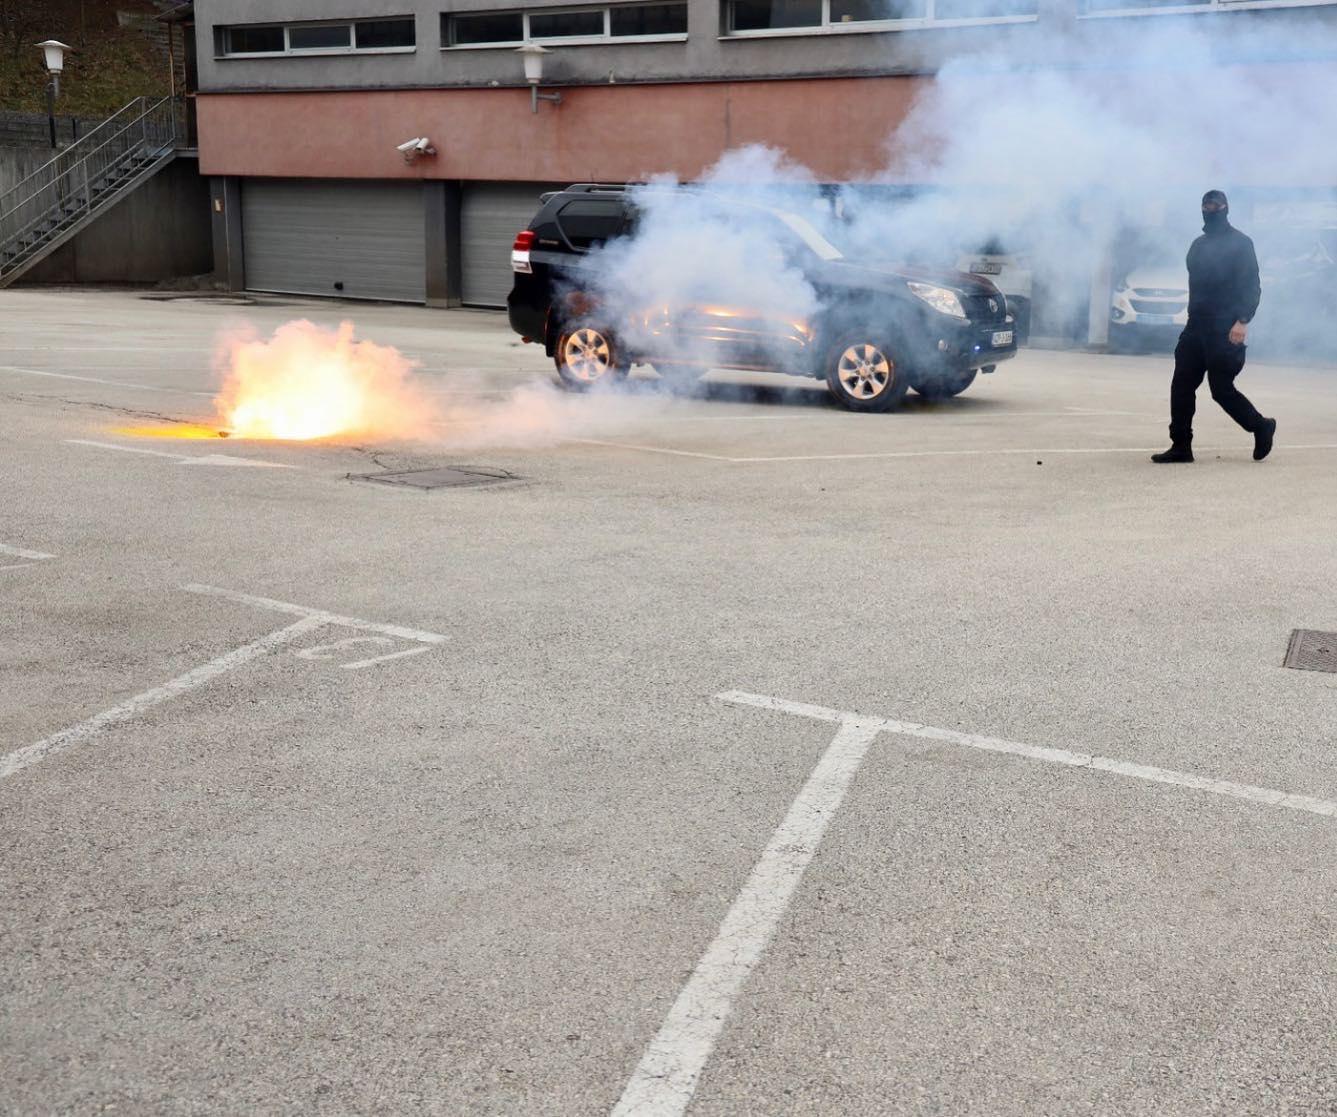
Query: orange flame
309,382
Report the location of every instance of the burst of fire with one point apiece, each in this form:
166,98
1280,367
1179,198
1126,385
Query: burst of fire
308,382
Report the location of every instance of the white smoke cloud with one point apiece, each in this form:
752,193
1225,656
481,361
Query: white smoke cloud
1091,149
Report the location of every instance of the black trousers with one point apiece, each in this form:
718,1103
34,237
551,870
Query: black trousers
1204,349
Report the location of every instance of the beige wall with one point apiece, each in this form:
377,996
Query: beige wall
836,127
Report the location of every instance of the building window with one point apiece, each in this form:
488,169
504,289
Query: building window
385,34
619,22
253,40
566,25
645,20
789,17
486,28
341,37
1181,7
332,36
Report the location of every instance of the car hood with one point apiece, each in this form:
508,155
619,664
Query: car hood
883,276
1164,278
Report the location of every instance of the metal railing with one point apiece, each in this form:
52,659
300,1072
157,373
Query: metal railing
85,174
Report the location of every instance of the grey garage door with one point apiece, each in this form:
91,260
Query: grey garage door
490,216
358,240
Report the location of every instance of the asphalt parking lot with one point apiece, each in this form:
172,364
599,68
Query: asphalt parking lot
732,754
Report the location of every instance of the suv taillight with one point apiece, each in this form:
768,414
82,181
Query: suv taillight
524,241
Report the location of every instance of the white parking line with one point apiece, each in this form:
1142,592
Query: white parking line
19,552
1050,451
652,450
1265,795
309,620
183,459
30,557
113,383
77,734
327,618
666,1077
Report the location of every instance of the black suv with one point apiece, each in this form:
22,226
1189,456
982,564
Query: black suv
881,330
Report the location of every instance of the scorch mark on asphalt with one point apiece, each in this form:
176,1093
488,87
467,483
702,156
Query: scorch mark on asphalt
666,1077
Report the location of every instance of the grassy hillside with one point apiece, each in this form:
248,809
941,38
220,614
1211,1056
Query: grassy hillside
110,65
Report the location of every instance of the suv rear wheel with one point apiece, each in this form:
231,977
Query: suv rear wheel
586,354
863,375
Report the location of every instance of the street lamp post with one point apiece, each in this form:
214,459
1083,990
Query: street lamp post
53,51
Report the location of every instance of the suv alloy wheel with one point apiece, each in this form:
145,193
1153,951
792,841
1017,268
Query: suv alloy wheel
863,375
586,354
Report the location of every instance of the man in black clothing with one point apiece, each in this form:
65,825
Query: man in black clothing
1223,294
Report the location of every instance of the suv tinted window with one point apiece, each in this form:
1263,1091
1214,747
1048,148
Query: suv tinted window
588,222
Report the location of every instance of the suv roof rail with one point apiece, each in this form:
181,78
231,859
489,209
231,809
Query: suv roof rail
592,187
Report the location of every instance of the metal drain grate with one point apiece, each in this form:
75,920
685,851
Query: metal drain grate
1312,651
438,478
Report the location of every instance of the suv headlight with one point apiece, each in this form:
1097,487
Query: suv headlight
939,298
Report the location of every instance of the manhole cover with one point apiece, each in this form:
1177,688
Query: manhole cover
438,478
1312,651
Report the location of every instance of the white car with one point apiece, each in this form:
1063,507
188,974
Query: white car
1149,301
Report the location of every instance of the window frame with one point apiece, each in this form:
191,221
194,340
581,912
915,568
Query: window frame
873,26
605,39
289,51
1137,12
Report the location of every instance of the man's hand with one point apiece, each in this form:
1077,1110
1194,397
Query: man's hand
1239,333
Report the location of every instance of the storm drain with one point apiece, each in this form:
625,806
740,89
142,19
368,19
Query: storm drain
438,478
1312,651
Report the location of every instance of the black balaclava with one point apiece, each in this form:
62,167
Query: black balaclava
1215,211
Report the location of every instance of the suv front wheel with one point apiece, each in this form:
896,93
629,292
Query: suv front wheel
586,354
863,375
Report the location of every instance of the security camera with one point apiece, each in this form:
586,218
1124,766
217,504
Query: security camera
411,149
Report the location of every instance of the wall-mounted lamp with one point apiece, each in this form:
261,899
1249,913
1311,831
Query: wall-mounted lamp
533,54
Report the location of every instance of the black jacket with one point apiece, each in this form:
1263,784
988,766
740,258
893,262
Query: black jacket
1222,277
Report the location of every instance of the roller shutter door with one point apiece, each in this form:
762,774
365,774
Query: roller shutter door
490,216
355,240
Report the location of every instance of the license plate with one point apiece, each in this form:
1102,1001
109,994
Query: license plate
1002,337
986,267
1157,319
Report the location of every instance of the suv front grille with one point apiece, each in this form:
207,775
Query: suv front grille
1142,306
978,310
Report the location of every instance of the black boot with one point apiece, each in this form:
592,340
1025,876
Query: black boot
1262,439
1176,453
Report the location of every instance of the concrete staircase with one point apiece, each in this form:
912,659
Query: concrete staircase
61,198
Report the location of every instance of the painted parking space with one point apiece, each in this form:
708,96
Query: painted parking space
310,620
427,798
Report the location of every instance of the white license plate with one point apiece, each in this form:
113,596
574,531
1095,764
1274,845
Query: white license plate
1002,337
986,267
1157,319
